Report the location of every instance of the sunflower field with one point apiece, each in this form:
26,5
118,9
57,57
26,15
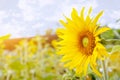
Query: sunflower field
81,50
36,59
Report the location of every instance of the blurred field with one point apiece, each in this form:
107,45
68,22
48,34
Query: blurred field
30,59
35,58
10,43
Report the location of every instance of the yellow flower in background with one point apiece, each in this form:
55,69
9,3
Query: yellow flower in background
32,47
2,38
79,42
114,59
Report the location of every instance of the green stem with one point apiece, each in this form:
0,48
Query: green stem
8,77
104,70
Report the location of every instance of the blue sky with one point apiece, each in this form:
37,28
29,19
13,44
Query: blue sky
25,18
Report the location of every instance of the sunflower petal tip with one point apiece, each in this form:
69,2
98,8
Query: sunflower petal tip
73,9
102,12
90,10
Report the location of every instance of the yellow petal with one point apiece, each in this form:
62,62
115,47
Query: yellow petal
82,13
88,19
77,60
76,21
97,17
54,43
94,55
94,22
4,37
95,70
80,69
86,65
63,23
101,30
102,50
73,24
60,32
66,58
74,14
90,10
71,27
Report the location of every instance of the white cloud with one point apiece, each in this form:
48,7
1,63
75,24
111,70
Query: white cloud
114,25
17,15
31,9
45,2
67,7
27,10
38,25
115,14
9,28
3,15
35,16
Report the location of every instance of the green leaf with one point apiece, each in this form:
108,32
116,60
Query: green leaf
108,35
116,49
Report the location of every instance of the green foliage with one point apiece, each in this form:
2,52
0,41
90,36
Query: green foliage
108,34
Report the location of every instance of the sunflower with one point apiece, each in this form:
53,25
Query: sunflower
79,41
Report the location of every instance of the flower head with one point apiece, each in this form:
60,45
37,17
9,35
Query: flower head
79,41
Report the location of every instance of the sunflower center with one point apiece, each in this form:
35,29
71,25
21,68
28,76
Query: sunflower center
86,42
